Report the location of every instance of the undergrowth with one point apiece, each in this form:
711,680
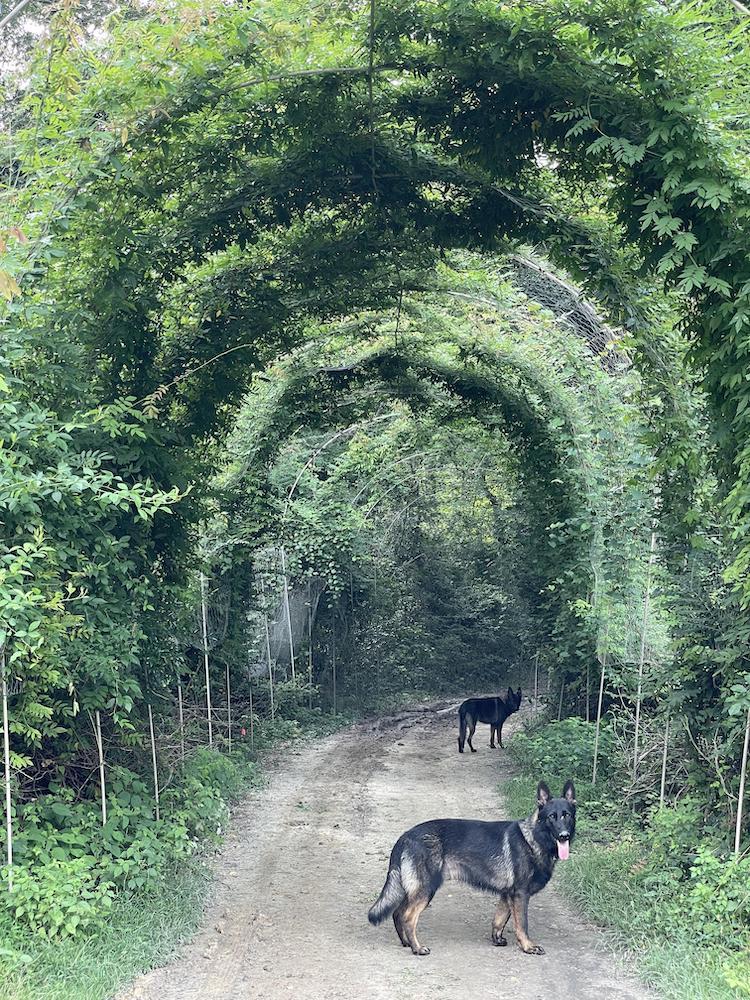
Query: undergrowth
94,906
678,901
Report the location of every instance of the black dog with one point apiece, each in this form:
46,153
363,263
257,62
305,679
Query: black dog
514,860
492,711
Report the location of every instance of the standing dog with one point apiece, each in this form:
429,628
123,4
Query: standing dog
492,711
514,860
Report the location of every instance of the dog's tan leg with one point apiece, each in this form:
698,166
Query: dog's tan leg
398,924
501,918
520,906
409,921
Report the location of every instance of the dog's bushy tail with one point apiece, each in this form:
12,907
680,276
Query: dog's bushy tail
461,729
390,898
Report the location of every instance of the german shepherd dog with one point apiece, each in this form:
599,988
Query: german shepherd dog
514,860
493,711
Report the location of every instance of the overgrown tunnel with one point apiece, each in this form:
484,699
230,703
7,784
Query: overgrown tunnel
455,486
356,354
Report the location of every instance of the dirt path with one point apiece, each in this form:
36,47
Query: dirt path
308,855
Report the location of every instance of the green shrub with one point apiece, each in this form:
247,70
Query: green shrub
68,866
60,898
673,833
718,896
565,748
209,781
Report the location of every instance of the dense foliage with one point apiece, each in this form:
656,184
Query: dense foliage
263,284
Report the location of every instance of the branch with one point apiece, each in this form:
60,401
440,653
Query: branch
14,13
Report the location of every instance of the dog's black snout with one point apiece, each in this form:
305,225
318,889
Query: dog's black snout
564,835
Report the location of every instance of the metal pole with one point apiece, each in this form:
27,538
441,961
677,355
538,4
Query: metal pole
741,796
204,619
309,647
268,644
229,710
599,715
664,765
153,760
642,657
252,721
182,721
100,748
6,749
288,612
334,667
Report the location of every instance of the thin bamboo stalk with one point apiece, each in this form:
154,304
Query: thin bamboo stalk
153,761
599,714
182,721
6,755
663,784
288,612
642,656
741,796
268,645
204,621
229,710
536,683
559,707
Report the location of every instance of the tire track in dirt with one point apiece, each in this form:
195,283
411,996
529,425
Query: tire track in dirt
307,855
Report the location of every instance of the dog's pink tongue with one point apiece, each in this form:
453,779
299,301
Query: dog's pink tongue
563,849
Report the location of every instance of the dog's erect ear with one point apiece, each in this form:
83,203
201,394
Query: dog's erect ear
543,794
510,692
569,792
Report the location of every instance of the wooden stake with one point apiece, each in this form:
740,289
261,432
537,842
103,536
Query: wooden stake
599,714
153,760
536,682
288,612
268,644
182,721
664,765
642,657
6,754
559,707
204,619
741,796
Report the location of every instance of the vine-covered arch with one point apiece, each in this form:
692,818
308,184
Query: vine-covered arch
571,426
315,189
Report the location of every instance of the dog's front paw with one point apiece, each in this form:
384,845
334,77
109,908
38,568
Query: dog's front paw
498,939
533,949
422,951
